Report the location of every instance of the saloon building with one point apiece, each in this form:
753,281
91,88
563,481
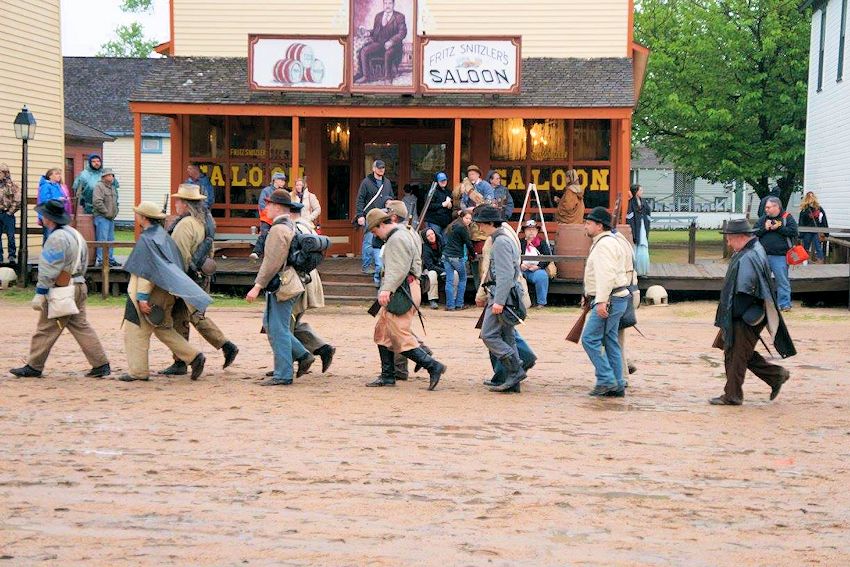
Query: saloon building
528,89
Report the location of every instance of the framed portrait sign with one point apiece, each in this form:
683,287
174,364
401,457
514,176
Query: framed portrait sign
311,63
383,46
485,64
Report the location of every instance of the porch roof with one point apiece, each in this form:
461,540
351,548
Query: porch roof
546,83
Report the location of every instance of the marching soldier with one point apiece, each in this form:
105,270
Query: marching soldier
189,232
399,297
157,280
63,262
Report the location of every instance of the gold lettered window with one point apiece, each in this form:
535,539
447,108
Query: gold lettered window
206,137
508,138
246,182
247,138
592,140
549,140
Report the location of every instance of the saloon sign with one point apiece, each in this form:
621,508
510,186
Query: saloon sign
470,64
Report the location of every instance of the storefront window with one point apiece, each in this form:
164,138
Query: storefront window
246,182
592,140
425,161
507,139
247,137
206,136
549,140
338,134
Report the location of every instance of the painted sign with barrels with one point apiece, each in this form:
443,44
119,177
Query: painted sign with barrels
302,63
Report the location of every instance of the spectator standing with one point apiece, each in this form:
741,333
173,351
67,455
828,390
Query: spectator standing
301,194
201,179
439,213
412,203
534,271
458,248
105,208
432,264
86,181
375,190
10,203
571,203
812,215
501,195
638,217
49,189
777,231
278,183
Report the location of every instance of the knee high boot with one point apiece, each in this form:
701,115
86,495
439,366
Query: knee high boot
514,373
435,369
387,377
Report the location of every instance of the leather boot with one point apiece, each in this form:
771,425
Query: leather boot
422,358
304,365
514,373
197,365
387,377
326,353
229,350
176,369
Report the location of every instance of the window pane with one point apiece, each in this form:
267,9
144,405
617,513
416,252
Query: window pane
595,181
549,140
592,140
338,134
246,182
206,136
280,140
386,152
216,172
425,161
465,141
339,182
507,139
247,137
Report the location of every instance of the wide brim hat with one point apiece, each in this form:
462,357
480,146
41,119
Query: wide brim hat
530,224
600,215
189,192
106,171
738,226
282,197
397,208
473,167
487,213
54,210
149,210
376,217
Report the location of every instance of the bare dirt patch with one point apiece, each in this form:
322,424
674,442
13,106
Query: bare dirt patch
327,472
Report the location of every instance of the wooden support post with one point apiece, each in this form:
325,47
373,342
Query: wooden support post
137,164
692,243
725,244
104,271
295,171
457,176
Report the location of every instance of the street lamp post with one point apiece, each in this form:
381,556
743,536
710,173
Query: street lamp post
24,131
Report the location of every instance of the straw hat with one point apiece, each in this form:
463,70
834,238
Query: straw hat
189,192
149,210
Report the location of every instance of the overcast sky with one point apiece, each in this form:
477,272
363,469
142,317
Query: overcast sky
88,24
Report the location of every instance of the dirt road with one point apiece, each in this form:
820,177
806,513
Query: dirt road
327,472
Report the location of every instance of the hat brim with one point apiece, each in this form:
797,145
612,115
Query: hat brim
292,206
750,231
188,197
64,218
159,216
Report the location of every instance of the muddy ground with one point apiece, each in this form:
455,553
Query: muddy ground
327,472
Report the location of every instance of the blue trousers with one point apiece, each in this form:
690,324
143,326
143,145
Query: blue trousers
367,253
779,267
540,280
7,227
811,239
452,265
525,354
284,345
104,230
600,342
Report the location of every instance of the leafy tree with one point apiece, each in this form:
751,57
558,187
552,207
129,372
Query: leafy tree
725,90
130,40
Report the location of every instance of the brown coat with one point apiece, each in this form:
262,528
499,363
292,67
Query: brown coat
571,206
277,250
314,293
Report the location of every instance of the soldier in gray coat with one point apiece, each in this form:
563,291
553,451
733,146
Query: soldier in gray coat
502,306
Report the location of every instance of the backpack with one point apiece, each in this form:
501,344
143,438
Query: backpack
306,251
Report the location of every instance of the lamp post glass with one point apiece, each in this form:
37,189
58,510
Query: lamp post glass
25,131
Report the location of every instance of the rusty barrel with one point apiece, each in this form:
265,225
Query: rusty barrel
288,71
315,72
571,241
300,52
85,226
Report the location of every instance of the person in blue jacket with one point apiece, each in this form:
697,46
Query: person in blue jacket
86,181
200,179
49,188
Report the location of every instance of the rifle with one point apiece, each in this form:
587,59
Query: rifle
427,204
165,204
574,336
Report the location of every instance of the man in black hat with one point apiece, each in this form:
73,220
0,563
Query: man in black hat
748,304
503,309
606,287
280,302
63,262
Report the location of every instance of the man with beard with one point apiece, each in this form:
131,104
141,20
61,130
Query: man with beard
87,180
748,304
10,203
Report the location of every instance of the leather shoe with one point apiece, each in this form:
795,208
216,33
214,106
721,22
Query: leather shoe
615,394
379,382
230,351
304,365
26,371
326,353
99,371
270,373
602,390
197,365
176,369
722,401
774,391
632,368
274,382
128,378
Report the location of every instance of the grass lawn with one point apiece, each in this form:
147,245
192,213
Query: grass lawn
708,236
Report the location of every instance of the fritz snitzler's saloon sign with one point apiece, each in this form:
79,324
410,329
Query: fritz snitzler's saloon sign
470,64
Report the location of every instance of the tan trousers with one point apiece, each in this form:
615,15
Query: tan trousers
184,314
48,331
394,331
433,286
137,341
305,333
